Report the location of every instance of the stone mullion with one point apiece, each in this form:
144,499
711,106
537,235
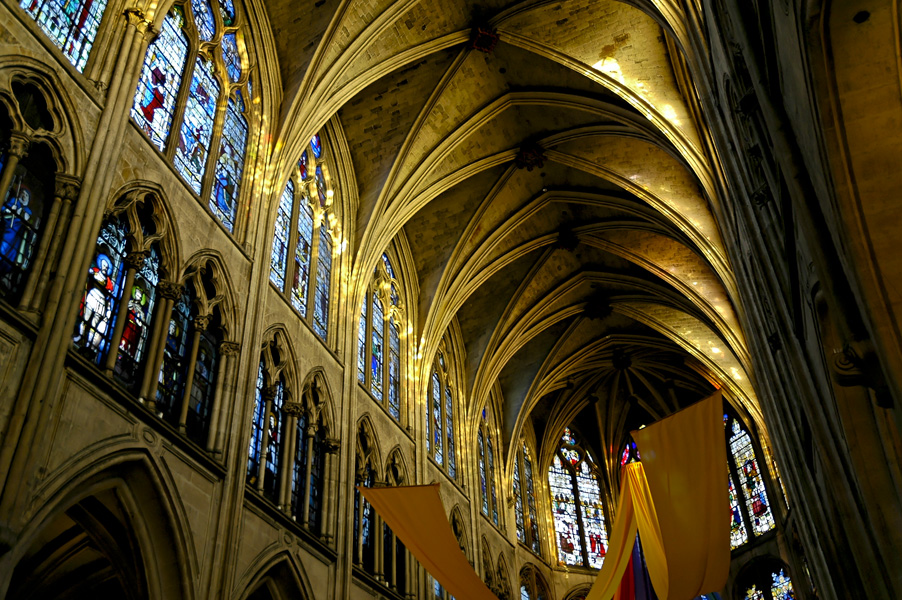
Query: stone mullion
226,351
330,488
18,149
206,185
200,323
308,471
269,394
181,102
133,261
170,293
37,267
112,38
67,190
286,473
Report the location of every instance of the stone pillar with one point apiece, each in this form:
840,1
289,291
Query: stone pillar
200,323
170,292
133,262
269,395
227,350
18,149
330,488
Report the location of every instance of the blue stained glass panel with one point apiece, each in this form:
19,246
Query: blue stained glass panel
229,165
323,283
20,223
781,587
531,503
71,25
316,145
103,292
161,78
437,418
273,423
388,267
141,300
227,10
449,432
256,443
201,399
203,19
302,252
231,56
197,127
394,369
518,504
377,348
491,475
299,468
361,344
480,439
279,258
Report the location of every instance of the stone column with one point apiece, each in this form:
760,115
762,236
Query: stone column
293,410
170,292
200,323
18,149
133,262
330,488
269,395
227,350
67,189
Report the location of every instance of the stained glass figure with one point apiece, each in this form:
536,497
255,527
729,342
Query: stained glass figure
316,145
302,253
480,440
630,454
323,281
535,543
227,10
566,525
302,165
595,535
738,534
197,127
279,258
378,347
161,77
20,224
518,505
229,164
781,587
753,593
750,480
255,448
437,419
71,25
394,369
103,291
449,432
171,383
361,344
231,56
273,424
141,300
298,472
203,19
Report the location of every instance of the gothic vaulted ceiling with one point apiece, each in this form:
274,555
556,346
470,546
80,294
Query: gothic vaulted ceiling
551,178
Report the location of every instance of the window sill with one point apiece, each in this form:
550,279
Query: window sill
309,540
112,388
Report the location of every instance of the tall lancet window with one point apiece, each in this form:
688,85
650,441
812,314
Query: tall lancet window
71,25
750,507
379,335
364,515
486,456
195,82
525,510
441,420
304,241
579,522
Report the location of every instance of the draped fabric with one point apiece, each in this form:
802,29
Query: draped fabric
417,516
686,468
635,513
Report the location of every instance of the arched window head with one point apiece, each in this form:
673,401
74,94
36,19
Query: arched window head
195,81
579,520
525,501
71,26
117,308
304,241
191,354
309,448
440,417
765,579
379,333
749,503
502,580
532,585
485,442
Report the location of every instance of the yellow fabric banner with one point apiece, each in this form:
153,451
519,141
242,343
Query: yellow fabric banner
635,512
416,515
685,461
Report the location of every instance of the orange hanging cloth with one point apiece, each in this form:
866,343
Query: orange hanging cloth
416,514
685,461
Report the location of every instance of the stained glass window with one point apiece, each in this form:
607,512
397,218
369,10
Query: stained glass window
161,78
486,459
576,504
203,19
197,127
103,292
491,475
279,258
364,525
630,454
302,254
71,25
750,508
227,10
753,593
273,423
202,388
535,543
136,330
171,385
518,504
449,432
738,535
781,587
377,348
480,440
323,274
317,463
21,216
316,146
230,163
231,57
437,418
321,189
298,473
394,369
255,448
361,344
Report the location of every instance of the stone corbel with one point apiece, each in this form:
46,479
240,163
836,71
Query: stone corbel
857,365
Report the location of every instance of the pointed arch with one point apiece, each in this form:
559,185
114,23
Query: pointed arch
223,281
278,572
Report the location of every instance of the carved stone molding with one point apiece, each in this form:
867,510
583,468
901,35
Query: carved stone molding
229,348
293,409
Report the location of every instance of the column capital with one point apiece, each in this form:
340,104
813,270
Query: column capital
135,260
293,409
67,187
171,290
137,19
332,445
201,322
229,348
18,144
269,392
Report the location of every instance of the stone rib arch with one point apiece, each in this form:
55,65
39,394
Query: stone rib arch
276,338
278,571
222,281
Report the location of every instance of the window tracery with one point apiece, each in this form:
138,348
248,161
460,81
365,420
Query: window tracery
306,228
486,459
440,421
532,585
71,26
364,515
381,319
206,48
750,509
